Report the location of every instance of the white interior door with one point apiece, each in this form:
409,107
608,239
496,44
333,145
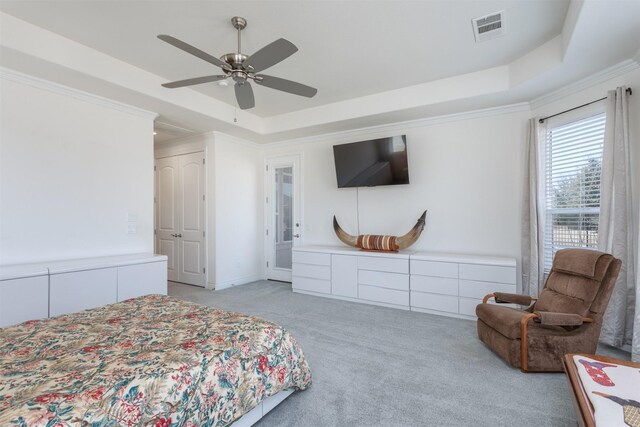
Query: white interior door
284,226
191,212
180,227
167,172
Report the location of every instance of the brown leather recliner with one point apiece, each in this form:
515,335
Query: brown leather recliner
565,318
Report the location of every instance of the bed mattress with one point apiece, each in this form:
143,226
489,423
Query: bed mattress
153,360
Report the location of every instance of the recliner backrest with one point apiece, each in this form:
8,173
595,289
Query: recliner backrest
574,282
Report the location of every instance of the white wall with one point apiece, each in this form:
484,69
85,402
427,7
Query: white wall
466,170
239,211
466,173
70,171
234,205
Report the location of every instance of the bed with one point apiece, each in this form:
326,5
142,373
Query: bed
152,360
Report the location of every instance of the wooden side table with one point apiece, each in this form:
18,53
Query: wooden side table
581,402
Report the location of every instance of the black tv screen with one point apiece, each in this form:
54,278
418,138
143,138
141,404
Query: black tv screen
370,163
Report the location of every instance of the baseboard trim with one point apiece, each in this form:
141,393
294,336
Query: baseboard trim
349,299
382,304
444,313
238,281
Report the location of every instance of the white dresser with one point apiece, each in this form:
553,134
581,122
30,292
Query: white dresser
350,274
36,291
453,284
446,284
24,293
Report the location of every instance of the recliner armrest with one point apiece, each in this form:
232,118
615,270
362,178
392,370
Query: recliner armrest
559,319
506,298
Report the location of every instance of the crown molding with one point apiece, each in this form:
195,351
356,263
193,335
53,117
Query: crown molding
183,145
201,139
594,79
236,140
402,126
18,77
195,138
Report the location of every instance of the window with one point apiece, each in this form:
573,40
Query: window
573,162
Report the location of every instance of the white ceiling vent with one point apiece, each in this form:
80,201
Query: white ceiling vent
489,26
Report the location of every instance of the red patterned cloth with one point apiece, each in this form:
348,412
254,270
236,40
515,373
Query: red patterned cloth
147,361
372,242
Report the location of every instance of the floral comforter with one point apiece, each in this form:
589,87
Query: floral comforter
153,360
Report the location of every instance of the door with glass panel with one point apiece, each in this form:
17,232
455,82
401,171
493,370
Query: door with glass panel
284,229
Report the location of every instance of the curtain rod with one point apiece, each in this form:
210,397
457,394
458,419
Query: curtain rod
629,91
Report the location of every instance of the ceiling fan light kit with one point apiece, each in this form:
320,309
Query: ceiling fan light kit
242,68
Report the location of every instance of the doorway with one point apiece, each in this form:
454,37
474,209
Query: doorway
283,214
180,217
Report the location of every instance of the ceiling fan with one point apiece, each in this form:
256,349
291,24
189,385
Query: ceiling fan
242,68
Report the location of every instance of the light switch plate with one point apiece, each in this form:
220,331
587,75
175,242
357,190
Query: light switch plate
132,217
132,228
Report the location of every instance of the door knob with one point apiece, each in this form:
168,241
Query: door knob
179,235
296,235
176,235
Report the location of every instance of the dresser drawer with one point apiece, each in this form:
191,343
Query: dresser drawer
388,296
488,273
311,285
390,265
23,299
445,303
312,271
385,280
317,258
344,276
436,285
476,289
80,290
434,268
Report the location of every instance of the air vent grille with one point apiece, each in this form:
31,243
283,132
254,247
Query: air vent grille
488,26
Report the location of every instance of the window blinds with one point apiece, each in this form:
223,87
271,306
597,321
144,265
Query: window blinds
573,162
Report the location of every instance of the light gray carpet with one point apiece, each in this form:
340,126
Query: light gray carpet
376,366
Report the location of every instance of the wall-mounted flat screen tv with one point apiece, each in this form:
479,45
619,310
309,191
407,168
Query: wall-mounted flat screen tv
371,163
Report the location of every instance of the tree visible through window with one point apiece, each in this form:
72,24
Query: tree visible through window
573,165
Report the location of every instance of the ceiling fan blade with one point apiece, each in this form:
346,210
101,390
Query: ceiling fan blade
193,51
244,95
194,81
270,55
286,85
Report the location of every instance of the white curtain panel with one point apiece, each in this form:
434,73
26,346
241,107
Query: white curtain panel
533,225
615,229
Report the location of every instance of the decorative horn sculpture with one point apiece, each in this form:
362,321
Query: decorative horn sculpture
368,242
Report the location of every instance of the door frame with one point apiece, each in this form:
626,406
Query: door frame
178,150
270,161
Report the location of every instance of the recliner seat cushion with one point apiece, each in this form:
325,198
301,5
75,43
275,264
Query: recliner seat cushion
505,320
506,348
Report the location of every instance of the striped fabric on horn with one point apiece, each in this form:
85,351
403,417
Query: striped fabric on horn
370,242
